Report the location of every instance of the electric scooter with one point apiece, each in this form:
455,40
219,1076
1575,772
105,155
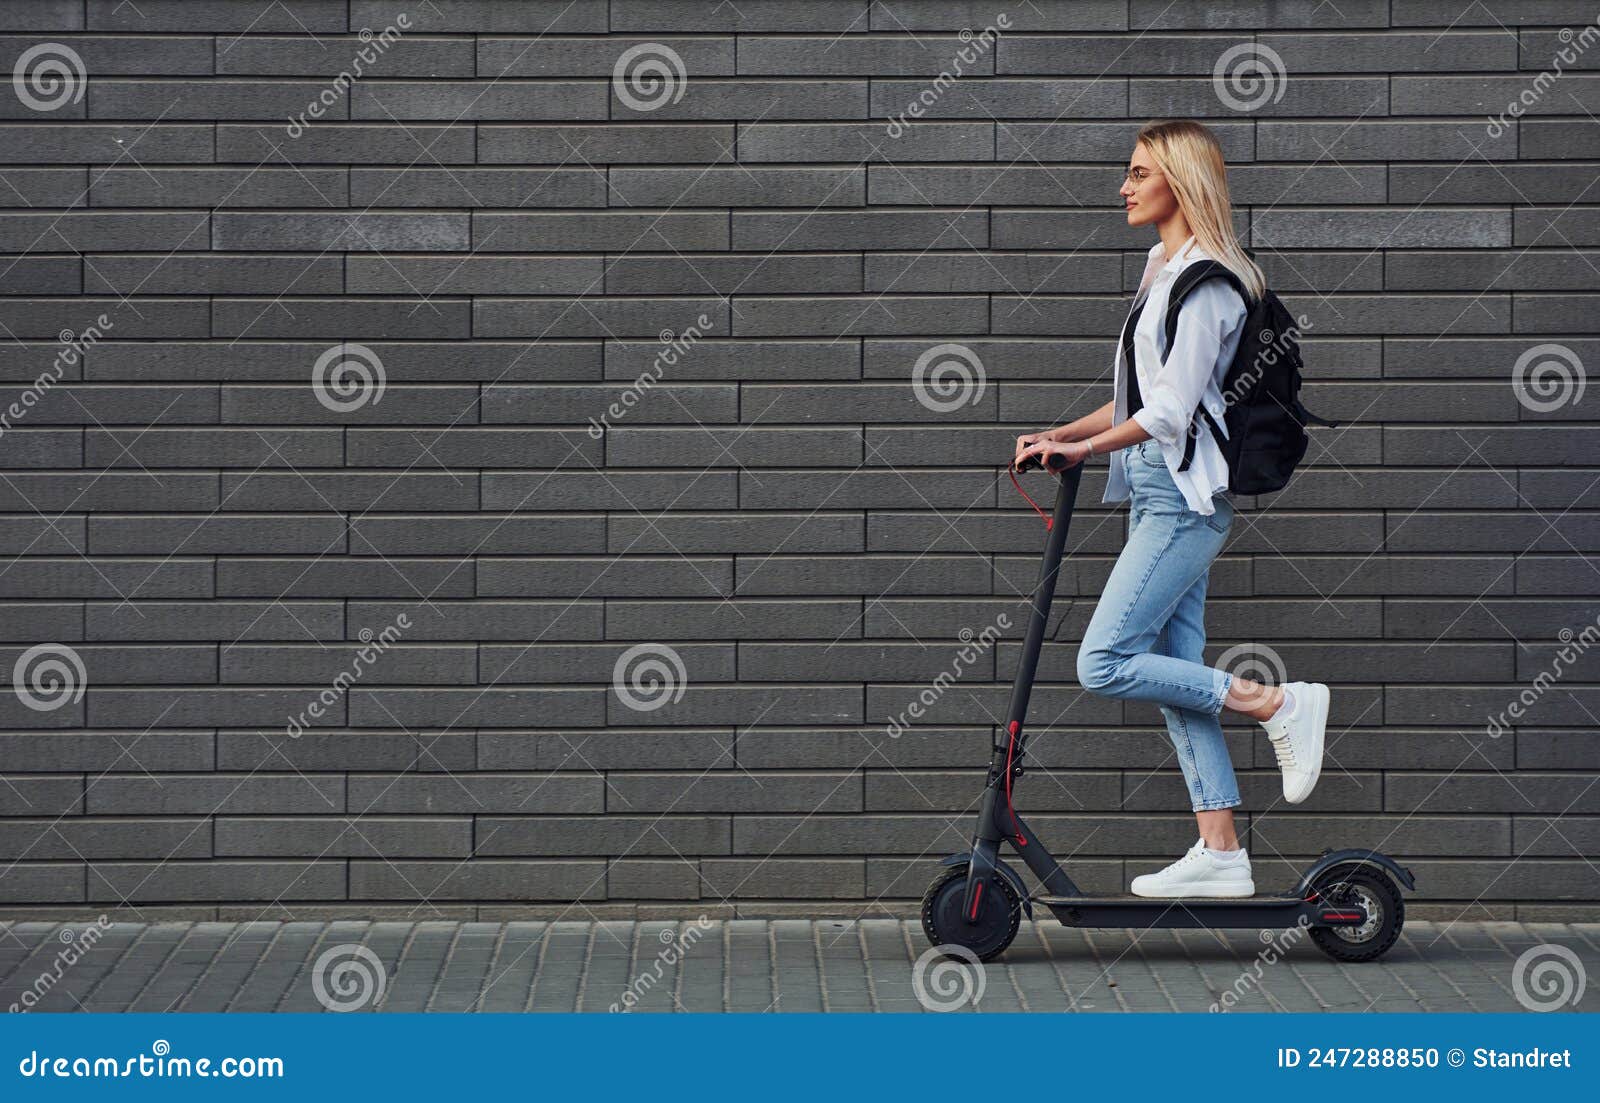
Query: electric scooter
1347,898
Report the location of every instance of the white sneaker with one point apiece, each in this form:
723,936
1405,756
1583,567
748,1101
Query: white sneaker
1297,739
1197,873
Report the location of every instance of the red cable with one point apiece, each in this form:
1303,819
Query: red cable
1012,471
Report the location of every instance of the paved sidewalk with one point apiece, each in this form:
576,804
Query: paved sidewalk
765,965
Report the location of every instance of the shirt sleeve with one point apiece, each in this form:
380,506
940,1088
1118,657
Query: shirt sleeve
1206,320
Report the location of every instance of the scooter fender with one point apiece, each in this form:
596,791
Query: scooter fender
1005,871
1332,858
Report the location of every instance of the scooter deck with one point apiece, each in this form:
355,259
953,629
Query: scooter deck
1276,899
1196,912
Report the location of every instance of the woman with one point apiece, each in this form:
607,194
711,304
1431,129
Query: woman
1147,635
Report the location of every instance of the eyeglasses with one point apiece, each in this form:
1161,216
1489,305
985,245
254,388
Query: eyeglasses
1137,175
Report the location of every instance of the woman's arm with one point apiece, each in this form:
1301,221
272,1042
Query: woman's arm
1097,421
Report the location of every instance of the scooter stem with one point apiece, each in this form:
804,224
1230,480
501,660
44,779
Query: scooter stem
995,809
1043,595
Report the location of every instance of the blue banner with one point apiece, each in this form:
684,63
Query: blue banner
811,1057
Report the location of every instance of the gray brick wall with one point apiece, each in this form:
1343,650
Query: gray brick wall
510,238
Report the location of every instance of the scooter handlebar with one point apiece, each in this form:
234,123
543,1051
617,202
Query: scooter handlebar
1055,461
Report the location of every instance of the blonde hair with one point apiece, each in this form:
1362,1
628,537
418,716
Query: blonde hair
1191,157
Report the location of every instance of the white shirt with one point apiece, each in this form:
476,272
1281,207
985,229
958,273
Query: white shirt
1209,327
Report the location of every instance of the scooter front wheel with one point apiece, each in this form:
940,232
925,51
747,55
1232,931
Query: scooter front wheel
1385,908
990,932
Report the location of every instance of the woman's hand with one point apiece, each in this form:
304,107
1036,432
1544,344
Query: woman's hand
1044,436
1075,452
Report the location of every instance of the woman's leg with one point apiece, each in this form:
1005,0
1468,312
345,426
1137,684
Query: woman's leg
1169,552
1197,735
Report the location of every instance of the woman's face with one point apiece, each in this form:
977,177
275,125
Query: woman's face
1145,192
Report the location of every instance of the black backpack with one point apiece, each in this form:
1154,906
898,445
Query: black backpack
1266,422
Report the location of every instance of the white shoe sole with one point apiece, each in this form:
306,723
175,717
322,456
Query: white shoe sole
1229,890
1318,703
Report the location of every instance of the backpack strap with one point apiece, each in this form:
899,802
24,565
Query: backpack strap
1188,279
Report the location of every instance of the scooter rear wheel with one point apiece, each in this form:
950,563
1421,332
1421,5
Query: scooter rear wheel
999,914
1386,913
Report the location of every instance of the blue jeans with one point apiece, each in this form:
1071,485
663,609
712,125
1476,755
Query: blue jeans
1146,639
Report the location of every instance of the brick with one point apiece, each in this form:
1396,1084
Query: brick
210,99
198,275
507,794
595,57
139,882
51,797
478,879
297,16
216,533
49,143
357,233
354,577
338,749
330,837
487,620
484,708
675,879
674,576
212,794
341,143
229,621
770,791
501,101
625,747
299,56
652,143
153,448
79,577
100,751
315,664
203,707
68,839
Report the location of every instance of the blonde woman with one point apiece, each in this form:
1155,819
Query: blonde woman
1146,639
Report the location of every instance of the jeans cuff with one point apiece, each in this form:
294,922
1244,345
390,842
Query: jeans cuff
1217,805
1224,680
